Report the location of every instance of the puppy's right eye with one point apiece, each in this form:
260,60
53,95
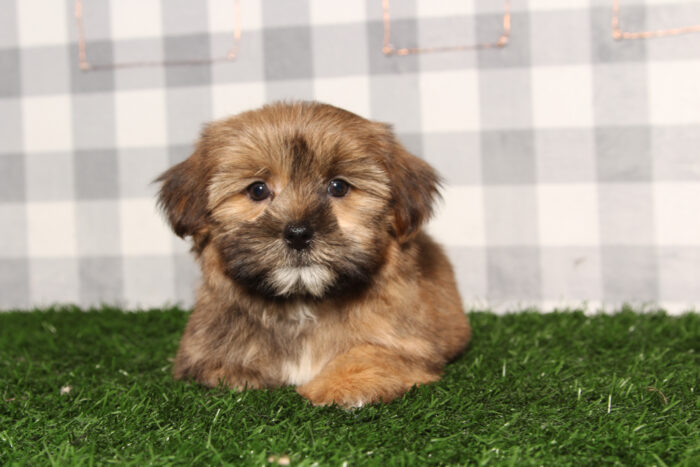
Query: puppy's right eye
258,191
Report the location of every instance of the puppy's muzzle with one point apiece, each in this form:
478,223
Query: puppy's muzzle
298,235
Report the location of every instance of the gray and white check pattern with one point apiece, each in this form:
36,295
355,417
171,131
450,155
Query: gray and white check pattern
572,161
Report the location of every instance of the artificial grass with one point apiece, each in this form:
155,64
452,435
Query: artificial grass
560,388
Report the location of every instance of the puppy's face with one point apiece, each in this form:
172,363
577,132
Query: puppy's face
298,199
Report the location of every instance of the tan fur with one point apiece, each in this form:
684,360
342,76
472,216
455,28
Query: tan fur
370,309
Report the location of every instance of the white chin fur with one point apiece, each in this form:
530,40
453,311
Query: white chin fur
312,279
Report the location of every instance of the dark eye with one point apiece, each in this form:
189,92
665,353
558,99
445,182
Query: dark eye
338,188
258,191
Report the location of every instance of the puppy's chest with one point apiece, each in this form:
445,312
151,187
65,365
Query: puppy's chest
303,341
319,343
304,366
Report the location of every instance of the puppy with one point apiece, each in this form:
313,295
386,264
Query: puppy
306,221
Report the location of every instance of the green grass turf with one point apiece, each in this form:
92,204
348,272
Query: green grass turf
562,388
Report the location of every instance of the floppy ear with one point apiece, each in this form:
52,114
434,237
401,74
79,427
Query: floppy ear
414,187
183,196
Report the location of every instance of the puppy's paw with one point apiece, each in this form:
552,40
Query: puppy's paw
356,384
215,375
348,391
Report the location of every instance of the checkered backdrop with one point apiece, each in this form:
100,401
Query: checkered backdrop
572,160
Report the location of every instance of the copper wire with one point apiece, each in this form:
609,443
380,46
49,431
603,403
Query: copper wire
389,49
619,34
85,65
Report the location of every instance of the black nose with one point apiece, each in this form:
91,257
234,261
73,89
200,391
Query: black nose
298,235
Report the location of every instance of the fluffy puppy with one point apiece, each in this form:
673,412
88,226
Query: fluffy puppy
306,221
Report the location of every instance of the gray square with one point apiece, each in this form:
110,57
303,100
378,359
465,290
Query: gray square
49,176
101,281
300,89
184,17
402,9
456,156
621,94
286,52
98,228
11,128
188,110
626,214
53,281
98,53
96,174
10,72
517,53
504,99
187,278
675,153
44,70
12,176
413,142
404,33
96,20
513,273
510,215
446,32
138,168
178,153
629,273
469,265
13,231
457,31
135,51
605,48
8,25
623,153
149,281
679,274
14,284
395,100
571,274
181,247
508,157
94,123
672,16
339,50
248,64
565,155
561,37
278,13
184,48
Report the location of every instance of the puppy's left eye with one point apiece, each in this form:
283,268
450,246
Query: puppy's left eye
338,188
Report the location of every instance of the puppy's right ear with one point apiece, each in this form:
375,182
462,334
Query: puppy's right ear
183,196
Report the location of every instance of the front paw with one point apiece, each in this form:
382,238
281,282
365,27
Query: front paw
345,393
365,375
214,375
353,388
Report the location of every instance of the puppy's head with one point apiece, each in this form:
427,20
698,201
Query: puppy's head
298,199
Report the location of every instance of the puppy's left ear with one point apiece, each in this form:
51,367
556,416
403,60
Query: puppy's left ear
414,188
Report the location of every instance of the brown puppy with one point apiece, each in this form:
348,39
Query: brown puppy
306,221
